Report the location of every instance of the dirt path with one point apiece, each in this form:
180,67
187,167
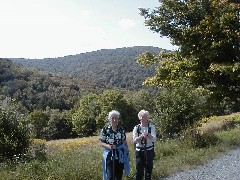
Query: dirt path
226,167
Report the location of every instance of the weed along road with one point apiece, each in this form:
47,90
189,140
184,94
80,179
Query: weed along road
225,167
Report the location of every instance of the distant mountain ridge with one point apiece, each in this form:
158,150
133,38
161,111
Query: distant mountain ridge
108,67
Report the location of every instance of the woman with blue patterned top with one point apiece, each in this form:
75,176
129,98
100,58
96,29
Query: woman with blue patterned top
115,154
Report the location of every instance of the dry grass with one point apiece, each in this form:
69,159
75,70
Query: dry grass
218,123
66,145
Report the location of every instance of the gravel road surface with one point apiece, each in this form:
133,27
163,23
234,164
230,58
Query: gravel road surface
226,167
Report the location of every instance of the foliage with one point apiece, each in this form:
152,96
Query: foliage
14,139
37,150
178,108
141,100
204,140
84,119
36,89
50,124
38,122
207,33
59,125
114,99
171,69
106,68
92,111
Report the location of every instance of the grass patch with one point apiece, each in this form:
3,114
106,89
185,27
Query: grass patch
218,123
81,158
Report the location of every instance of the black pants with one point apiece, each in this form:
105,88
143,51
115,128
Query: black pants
144,162
118,170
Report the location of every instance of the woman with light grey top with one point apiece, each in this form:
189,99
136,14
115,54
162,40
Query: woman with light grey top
144,136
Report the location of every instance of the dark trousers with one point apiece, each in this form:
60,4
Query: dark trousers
144,163
118,170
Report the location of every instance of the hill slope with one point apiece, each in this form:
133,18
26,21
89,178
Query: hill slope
107,67
37,89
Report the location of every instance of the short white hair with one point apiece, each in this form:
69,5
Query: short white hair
142,113
112,114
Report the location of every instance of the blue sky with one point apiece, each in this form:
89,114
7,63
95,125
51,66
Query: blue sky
56,28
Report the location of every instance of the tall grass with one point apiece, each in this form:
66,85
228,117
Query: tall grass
82,158
177,155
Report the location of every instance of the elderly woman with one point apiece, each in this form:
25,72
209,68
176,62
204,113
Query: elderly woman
144,136
115,155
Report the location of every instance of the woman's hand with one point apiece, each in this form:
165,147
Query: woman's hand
112,146
144,136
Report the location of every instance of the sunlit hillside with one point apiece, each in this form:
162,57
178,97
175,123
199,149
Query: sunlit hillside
107,67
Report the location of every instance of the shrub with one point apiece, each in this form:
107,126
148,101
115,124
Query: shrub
59,125
14,139
39,123
114,99
177,108
204,140
92,111
37,150
84,119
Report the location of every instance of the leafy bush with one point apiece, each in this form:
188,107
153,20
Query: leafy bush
178,108
37,150
50,124
141,100
14,139
39,123
91,114
59,125
204,140
84,119
114,99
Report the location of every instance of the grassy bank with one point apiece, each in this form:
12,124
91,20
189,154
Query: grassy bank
81,158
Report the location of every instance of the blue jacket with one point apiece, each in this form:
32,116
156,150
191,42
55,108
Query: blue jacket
123,158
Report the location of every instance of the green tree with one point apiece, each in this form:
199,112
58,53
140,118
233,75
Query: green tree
39,123
84,119
207,33
141,100
14,131
179,108
114,99
59,125
91,113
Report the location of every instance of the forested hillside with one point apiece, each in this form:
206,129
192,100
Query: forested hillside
37,89
108,67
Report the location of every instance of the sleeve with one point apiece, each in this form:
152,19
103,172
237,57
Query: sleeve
103,135
124,135
153,133
135,134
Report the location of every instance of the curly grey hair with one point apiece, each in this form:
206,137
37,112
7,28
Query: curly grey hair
112,114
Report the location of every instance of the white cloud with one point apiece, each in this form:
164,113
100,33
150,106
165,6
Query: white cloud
126,23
